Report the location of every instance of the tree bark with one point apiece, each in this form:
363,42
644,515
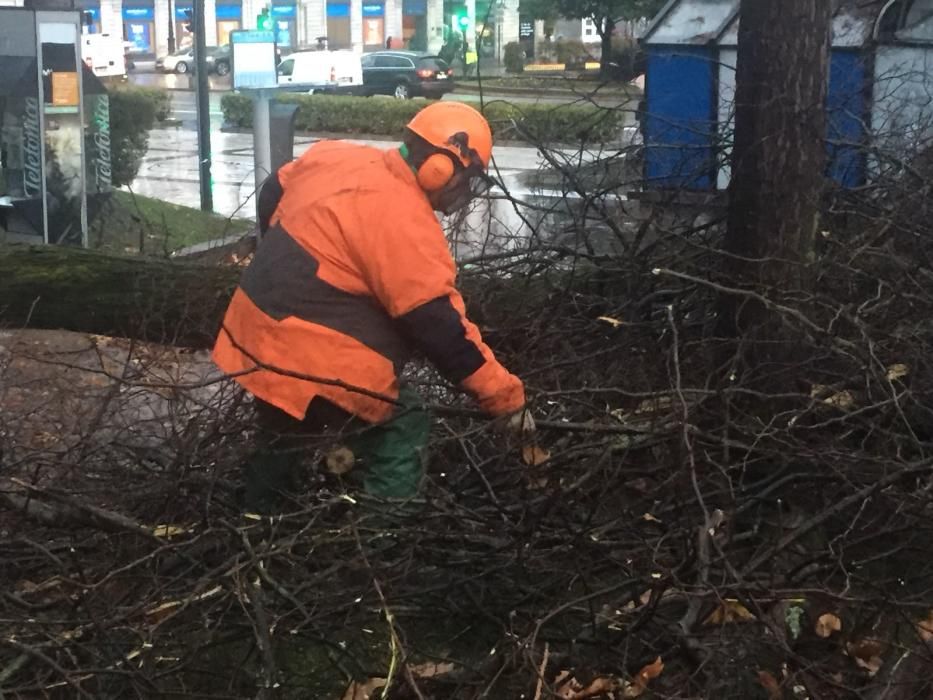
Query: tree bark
605,27
778,160
168,301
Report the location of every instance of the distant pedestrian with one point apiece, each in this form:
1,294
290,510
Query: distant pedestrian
470,59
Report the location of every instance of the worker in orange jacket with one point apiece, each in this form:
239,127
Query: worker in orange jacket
352,274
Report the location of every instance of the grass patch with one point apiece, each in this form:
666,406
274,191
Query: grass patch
132,223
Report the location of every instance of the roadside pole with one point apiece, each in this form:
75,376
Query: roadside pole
171,26
204,114
262,138
254,73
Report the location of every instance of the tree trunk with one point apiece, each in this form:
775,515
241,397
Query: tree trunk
173,302
777,164
605,27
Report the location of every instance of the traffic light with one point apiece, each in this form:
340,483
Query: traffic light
463,20
190,24
264,20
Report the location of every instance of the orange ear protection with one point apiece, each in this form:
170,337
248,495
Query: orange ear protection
436,172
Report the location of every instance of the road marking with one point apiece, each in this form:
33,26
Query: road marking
194,111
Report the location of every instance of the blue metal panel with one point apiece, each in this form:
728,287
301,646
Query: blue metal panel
338,9
680,120
847,117
414,7
138,13
227,11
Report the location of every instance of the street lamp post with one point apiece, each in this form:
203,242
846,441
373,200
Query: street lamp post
171,26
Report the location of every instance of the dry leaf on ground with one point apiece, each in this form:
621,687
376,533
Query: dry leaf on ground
925,628
430,669
770,684
872,664
843,399
535,456
655,405
729,611
566,686
168,530
646,675
867,654
827,624
365,690
825,394
569,688
898,371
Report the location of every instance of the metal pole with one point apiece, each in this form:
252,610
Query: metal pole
262,141
171,26
204,113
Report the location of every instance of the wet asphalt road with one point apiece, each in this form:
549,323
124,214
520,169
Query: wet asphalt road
170,169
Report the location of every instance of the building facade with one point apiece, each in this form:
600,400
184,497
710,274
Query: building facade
360,25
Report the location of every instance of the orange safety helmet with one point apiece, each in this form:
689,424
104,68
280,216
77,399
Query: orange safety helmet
460,134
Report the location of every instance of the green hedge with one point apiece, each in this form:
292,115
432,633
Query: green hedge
133,112
385,117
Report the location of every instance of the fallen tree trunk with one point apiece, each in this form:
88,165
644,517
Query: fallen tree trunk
166,301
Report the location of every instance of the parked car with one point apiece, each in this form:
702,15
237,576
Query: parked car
322,71
218,59
104,55
406,74
182,61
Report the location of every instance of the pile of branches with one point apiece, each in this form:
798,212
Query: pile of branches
685,527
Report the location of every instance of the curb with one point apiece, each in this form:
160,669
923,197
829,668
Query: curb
180,89
544,92
338,136
496,92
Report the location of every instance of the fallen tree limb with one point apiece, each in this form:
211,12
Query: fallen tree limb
169,301
69,509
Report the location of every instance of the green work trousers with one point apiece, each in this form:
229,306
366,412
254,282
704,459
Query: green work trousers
388,457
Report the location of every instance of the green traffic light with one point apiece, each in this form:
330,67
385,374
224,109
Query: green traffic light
463,21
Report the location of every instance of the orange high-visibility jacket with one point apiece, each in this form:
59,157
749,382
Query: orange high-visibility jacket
353,273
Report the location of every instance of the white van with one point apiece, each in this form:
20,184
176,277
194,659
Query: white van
322,71
104,55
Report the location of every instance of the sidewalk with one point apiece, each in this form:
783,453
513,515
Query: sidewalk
175,82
